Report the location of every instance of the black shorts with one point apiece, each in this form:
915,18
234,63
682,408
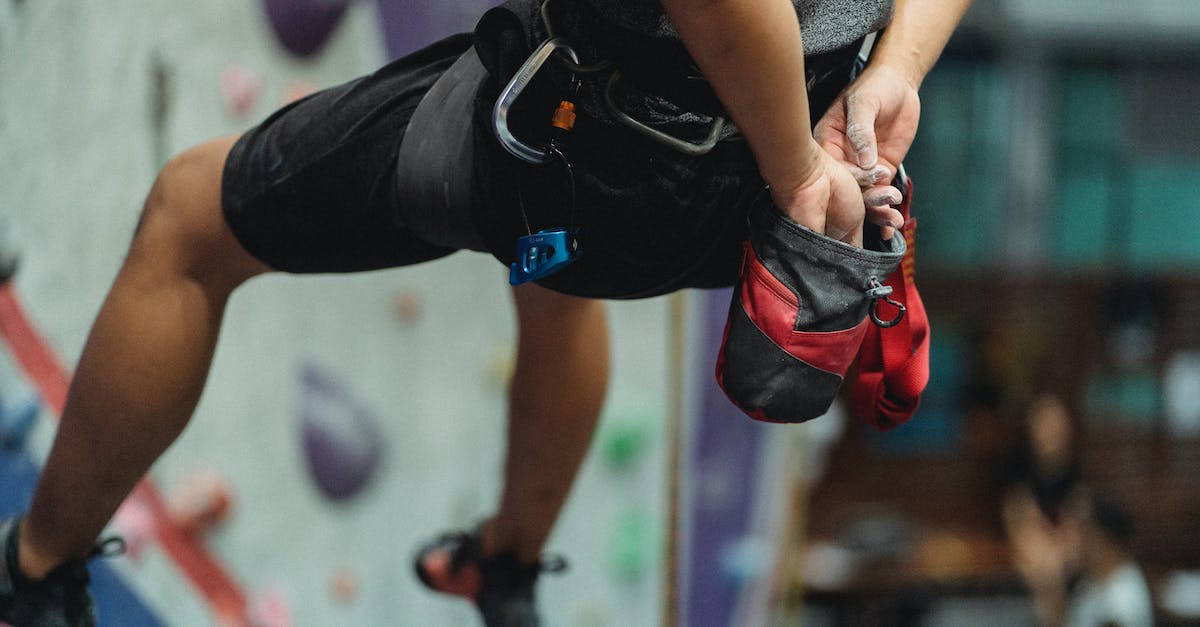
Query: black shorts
314,189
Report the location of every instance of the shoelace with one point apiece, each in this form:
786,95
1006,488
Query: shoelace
105,548
468,549
111,546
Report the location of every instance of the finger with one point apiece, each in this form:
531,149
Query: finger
826,129
860,130
872,176
882,195
850,235
886,218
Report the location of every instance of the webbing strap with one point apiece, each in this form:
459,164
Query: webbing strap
893,366
435,164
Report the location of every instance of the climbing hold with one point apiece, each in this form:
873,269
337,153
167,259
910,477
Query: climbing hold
591,613
746,559
270,608
632,544
342,440
240,87
343,585
137,526
201,503
296,90
500,364
408,306
303,26
623,440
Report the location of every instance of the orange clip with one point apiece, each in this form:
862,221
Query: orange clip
564,116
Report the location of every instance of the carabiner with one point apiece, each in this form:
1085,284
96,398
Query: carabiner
878,292
512,91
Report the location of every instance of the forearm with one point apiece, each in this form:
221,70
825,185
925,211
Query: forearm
751,53
918,32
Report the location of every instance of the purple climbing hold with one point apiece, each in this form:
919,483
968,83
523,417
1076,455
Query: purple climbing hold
303,26
342,442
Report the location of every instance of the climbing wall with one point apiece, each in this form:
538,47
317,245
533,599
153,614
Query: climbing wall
347,419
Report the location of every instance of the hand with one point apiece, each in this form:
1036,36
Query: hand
869,128
828,200
1038,553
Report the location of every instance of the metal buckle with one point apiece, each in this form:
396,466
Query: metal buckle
512,91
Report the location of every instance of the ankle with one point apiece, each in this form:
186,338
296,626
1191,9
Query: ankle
495,539
33,564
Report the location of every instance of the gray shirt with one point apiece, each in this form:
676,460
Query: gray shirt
825,25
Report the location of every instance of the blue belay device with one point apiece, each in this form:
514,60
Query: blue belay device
542,254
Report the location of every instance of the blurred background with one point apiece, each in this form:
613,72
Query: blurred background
348,419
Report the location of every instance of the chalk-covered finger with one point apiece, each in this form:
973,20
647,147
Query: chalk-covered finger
872,176
882,195
860,130
887,218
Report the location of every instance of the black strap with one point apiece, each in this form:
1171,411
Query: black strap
435,165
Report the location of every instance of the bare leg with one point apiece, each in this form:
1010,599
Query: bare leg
145,361
554,400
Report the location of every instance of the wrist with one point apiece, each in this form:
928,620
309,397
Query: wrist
800,171
906,66
804,196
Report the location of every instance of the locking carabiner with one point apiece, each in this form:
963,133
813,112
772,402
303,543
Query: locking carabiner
512,91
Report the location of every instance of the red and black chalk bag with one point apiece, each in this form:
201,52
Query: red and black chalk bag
804,307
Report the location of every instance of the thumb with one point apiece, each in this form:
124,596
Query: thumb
860,131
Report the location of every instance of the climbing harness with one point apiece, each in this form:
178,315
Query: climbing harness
547,251
611,87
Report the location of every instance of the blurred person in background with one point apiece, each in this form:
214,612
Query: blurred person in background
316,188
1082,572
1044,473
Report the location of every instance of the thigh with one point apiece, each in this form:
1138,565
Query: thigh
313,188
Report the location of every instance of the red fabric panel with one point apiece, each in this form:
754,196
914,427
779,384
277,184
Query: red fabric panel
893,366
772,307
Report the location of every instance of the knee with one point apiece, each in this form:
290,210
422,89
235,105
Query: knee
182,230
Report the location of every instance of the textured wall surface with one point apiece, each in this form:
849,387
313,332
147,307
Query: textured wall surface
79,147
